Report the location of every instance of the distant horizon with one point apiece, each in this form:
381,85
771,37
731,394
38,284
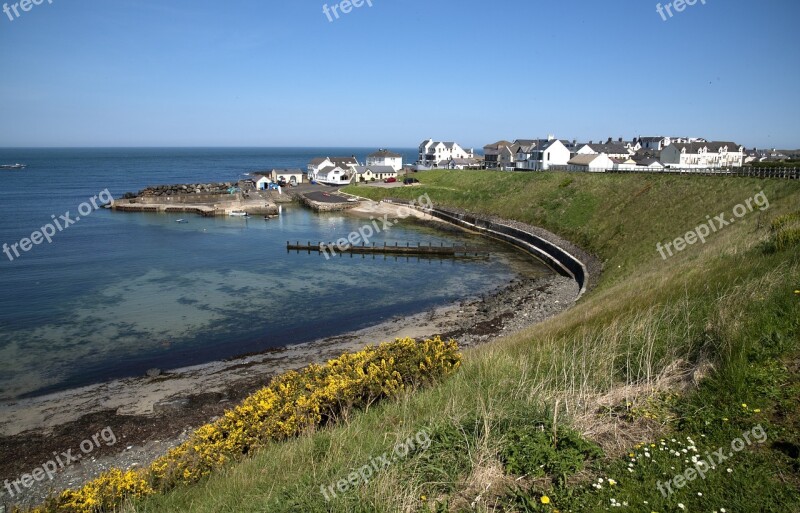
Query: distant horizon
374,148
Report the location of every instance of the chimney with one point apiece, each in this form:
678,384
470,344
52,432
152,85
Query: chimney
620,139
609,140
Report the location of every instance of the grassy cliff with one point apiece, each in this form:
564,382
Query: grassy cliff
664,363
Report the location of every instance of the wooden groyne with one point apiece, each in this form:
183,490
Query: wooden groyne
388,249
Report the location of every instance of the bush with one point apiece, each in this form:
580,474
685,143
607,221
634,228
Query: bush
293,403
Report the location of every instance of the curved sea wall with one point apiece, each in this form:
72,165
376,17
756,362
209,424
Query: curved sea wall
553,254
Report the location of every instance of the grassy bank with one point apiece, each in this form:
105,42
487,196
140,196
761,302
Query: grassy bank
598,404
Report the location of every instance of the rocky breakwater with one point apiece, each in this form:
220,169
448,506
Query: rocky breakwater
207,199
186,191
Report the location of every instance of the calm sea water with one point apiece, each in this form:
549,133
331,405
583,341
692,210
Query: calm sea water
116,294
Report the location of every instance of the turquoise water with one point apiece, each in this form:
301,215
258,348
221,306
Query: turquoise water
116,294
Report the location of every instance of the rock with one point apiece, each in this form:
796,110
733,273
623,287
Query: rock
171,405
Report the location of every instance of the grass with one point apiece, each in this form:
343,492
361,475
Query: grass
659,350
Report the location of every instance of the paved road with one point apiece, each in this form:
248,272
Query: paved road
320,197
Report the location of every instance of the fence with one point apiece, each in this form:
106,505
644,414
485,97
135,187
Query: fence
783,173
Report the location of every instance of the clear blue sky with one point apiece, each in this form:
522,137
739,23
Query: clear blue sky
278,73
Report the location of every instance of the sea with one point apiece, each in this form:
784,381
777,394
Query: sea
115,294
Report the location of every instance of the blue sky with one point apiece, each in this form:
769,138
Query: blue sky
278,73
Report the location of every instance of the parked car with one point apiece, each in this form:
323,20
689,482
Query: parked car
391,179
410,181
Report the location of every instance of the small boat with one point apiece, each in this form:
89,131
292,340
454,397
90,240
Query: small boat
182,221
238,213
13,166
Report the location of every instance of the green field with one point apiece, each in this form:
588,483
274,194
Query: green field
663,356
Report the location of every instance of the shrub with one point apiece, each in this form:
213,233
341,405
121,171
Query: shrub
292,404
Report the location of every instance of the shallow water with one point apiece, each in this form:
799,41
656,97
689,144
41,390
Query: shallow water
116,294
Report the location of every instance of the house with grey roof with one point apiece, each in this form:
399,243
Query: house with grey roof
613,150
703,155
292,176
590,162
334,175
317,164
432,154
373,173
649,164
541,154
655,143
458,163
385,157
499,155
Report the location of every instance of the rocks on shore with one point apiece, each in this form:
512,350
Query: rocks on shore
179,189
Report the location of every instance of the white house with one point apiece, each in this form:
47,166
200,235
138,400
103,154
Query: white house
627,164
316,165
541,154
613,150
593,163
334,175
292,176
370,173
262,180
385,158
433,153
654,143
703,155
461,163
649,164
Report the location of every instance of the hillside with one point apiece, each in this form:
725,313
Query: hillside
605,404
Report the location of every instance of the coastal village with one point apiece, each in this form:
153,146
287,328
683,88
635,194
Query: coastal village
261,192
551,153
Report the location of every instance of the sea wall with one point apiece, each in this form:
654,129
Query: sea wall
551,253
318,206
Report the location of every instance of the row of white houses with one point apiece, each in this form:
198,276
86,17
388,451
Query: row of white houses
641,153
381,165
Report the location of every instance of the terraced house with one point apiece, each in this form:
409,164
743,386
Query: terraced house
542,154
500,155
432,154
703,155
318,166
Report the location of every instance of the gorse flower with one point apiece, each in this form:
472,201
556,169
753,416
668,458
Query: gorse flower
294,403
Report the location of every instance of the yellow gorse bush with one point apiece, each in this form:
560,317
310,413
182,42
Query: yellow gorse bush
293,403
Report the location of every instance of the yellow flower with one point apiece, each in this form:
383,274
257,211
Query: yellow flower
725,419
797,291
423,498
545,499
744,406
757,410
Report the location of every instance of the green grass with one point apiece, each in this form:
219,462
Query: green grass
660,349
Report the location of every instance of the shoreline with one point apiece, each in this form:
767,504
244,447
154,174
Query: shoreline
149,415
